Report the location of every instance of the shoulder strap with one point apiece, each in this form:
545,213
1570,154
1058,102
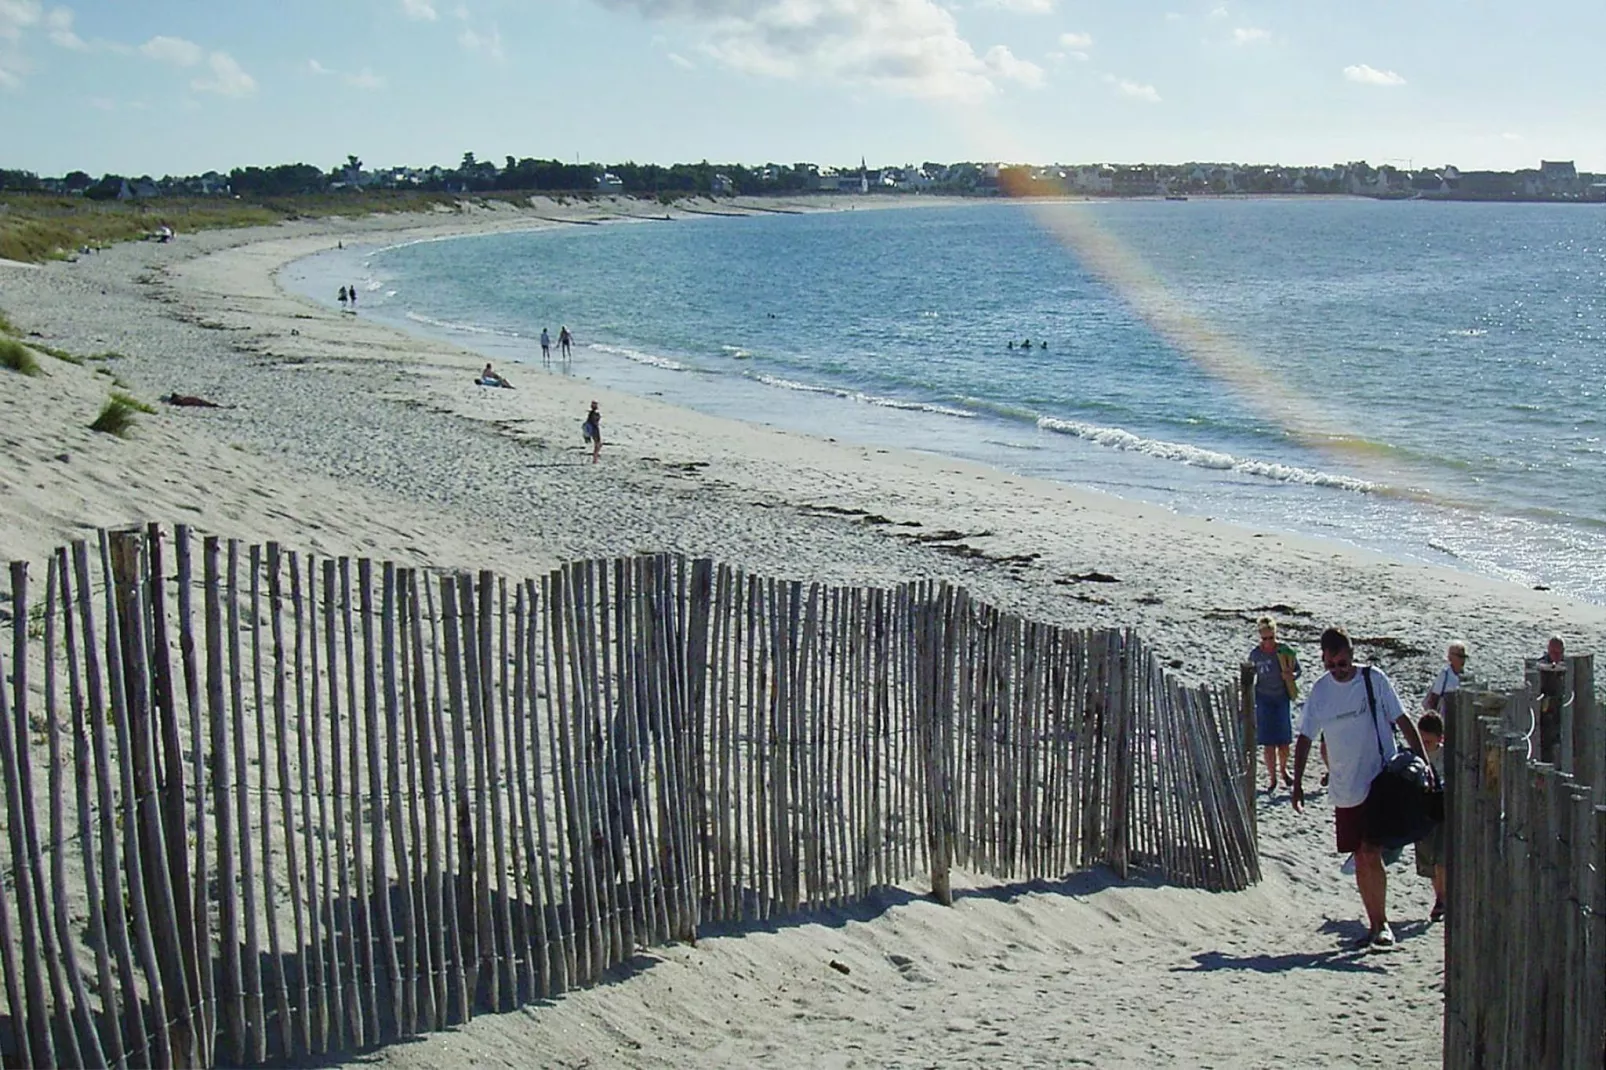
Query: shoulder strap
1371,704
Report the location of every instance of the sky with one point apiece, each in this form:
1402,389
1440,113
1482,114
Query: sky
182,86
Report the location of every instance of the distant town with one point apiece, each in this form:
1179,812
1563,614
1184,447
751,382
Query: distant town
1552,180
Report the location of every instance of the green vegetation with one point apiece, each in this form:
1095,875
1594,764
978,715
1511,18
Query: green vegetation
59,354
6,326
18,357
39,226
117,415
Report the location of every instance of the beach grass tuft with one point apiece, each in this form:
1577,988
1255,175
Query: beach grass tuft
59,354
117,415
6,326
18,357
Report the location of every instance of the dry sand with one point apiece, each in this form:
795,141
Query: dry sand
343,436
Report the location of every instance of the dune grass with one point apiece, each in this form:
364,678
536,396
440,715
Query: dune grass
6,326
60,354
36,227
118,414
18,357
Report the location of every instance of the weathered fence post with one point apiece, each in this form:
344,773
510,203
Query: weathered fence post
1588,728
932,655
156,910
1246,742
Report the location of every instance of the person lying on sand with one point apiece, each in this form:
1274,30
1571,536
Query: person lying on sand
191,401
488,377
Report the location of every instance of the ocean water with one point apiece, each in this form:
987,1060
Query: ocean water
1428,380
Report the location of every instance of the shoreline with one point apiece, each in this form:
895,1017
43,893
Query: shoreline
353,437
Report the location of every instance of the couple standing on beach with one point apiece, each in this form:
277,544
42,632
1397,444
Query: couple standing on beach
565,344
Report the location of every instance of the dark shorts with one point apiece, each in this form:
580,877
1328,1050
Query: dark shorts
1274,725
1350,821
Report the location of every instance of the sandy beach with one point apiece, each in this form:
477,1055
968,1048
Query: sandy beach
338,435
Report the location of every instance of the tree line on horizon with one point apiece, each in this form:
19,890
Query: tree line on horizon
471,175
1551,181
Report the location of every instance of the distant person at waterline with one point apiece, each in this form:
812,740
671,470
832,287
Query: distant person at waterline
352,290
592,431
546,347
564,339
342,295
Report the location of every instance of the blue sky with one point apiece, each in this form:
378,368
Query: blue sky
182,86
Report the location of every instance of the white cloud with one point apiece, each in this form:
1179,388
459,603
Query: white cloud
1136,90
174,50
681,61
1249,35
905,47
1023,7
10,76
422,10
1218,12
1367,75
227,78
363,79
16,16
488,43
58,24
1080,41
1174,16
1004,63
1508,136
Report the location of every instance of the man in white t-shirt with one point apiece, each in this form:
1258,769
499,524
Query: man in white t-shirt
1337,710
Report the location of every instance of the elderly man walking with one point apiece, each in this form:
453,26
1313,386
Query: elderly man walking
1351,708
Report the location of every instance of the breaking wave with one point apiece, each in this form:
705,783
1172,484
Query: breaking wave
1198,457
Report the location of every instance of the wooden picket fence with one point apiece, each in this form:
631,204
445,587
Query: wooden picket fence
264,806
1525,858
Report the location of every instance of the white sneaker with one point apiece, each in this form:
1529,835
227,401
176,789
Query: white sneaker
1348,868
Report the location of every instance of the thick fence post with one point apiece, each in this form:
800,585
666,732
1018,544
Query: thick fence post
1588,728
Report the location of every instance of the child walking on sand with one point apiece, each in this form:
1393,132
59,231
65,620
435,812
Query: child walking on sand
1430,852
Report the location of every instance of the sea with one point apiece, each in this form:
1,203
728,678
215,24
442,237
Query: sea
1423,379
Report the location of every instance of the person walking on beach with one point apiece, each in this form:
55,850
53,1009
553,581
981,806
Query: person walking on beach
1276,666
592,430
1352,707
546,347
1449,678
342,297
352,290
564,339
1430,851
